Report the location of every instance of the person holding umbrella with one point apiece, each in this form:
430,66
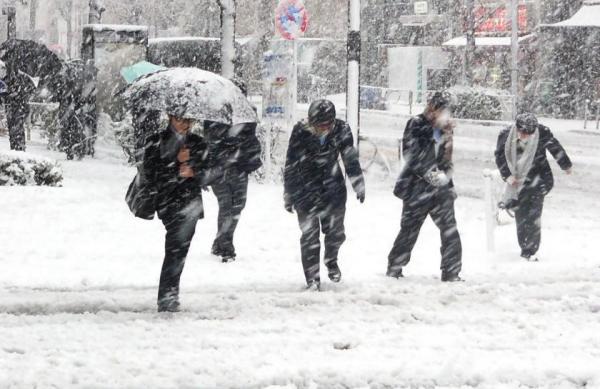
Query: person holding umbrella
172,167
521,158
176,163
314,186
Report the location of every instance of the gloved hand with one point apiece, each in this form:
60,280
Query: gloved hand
361,196
288,204
437,178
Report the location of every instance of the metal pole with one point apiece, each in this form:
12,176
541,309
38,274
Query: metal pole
490,210
11,15
96,10
293,84
33,4
514,48
470,42
227,38
353,77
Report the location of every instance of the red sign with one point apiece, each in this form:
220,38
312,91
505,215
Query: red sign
291,19
498,20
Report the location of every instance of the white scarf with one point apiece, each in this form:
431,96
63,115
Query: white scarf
519,166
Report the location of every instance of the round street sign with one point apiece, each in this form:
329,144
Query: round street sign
291,19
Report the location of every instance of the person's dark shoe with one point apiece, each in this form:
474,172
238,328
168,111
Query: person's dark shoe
168,304
394,273
313,286
334,272
216,250
228,258
451,277
530,258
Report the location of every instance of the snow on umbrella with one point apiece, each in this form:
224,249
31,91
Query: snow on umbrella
29,57
133,72
200,94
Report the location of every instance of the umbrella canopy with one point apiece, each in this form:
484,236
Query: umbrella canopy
194,94
133,72
29,57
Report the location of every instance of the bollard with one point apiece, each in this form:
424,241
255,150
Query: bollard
585,114
489,209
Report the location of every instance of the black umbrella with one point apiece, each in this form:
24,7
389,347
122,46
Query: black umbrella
29,57
196,93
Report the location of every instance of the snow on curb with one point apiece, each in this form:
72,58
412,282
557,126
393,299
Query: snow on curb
24,169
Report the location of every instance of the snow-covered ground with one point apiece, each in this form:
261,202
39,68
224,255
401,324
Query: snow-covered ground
78,279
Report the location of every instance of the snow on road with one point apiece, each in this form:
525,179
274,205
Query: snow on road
78,279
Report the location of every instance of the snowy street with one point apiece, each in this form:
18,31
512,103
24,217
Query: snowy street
79,277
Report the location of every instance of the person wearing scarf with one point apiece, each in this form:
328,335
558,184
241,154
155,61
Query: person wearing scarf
521,158
425,186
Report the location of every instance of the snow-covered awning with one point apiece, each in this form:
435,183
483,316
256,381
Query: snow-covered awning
486,41
587,16
116,27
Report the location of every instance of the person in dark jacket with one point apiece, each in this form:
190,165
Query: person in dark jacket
315,186
145,123
71,116
521,159
240,148
174,168
425,185
20,89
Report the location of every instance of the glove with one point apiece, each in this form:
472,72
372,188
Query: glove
437,178
361,196
288,204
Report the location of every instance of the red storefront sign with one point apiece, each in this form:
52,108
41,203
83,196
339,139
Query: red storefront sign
498,20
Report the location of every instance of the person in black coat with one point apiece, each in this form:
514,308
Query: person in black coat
239,147
20,89
521,158
425,185
175,168
315,186
71,115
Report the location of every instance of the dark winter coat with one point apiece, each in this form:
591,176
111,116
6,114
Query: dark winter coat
540,179
20,88
418,148
238,146
71,110
161,171
313,178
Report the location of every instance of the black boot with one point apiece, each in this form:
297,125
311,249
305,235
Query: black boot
313,286
451,277
334,272
169,302
394,273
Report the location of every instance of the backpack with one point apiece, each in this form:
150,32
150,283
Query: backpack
140,198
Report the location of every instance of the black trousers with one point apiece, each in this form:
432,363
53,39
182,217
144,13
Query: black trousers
16,115
528,215
231,194
440,207
331,222
181,226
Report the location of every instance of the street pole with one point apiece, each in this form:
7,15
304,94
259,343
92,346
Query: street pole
11,15
353,89
514,48
470,44
96,10
293,85
227,38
